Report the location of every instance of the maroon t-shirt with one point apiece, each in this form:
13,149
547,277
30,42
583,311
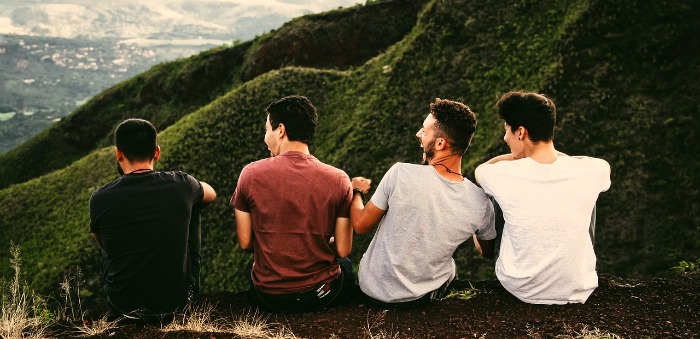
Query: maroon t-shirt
294,200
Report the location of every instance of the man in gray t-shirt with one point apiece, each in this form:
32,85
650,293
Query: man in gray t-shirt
424,212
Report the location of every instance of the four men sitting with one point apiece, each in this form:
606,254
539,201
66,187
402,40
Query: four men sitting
297,215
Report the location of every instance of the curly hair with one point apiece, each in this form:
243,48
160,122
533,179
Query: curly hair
534,111
455,122
297,114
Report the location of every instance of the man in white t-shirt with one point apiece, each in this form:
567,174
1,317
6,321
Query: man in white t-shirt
547,198
424,212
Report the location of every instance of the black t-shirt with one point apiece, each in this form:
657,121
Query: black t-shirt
144,221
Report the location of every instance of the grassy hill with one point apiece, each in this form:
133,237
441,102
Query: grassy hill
623,75
169,91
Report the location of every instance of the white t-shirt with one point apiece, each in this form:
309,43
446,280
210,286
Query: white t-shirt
427,217
546,254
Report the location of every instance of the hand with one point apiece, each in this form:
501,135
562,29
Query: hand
362,184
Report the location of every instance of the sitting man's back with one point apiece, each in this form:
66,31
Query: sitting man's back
424,213
293,212
146,223
547,198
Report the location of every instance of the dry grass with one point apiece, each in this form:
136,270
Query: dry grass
96,327
571,333
17,319
197,319
372,328
249,325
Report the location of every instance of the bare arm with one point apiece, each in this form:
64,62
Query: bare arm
363,218
343,237
209,193
244,229
484,247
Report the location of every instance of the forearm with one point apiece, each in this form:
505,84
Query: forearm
356,213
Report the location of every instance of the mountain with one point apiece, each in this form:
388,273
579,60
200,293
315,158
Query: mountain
624,77
56,55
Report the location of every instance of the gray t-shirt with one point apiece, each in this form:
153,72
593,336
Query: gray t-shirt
427,217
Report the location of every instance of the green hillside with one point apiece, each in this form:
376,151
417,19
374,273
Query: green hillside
169,91
623,76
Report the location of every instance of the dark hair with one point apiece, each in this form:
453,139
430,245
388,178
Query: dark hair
455,122
297,114
136,138
533,111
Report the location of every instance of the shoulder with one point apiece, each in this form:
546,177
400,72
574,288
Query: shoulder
104,190
330,168
402,167
589,163
260,165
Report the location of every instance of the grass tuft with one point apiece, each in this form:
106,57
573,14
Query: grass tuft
373,330
197,319
250,325
464,294
96,327
18,319
571,333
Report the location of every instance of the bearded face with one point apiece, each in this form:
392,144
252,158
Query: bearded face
428,152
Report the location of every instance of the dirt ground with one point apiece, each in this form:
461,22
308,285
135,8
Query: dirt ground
628,308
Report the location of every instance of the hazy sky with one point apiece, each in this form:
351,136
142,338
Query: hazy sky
132,18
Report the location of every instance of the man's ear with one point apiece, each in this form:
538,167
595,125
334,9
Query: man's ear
156,156
440,144
281,131
521,133
118,154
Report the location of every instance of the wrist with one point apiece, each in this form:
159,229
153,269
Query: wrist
356,191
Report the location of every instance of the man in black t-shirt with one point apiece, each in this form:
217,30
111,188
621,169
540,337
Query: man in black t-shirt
147,224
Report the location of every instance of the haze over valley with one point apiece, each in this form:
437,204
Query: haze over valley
56,55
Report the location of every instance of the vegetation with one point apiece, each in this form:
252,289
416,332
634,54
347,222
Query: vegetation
623,75
687,266
21,310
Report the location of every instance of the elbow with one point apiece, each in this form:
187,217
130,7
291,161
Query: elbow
244,245
359,229
343,253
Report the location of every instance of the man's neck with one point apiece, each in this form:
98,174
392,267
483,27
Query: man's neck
131,167
294,146
449,166
543,152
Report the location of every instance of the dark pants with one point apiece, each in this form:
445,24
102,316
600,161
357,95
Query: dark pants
322,296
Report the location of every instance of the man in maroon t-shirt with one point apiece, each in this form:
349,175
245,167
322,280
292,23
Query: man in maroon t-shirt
294,212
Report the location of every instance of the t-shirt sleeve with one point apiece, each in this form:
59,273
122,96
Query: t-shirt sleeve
197,190
346,197
385,188
239,199
486,230
483,175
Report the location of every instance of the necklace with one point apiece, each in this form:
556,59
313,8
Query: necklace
448,170
140,170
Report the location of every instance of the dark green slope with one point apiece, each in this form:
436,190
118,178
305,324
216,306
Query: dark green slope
622,85
167,92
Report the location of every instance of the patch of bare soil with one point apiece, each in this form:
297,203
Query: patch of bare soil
629,308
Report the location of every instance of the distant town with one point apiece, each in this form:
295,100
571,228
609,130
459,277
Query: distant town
44,79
